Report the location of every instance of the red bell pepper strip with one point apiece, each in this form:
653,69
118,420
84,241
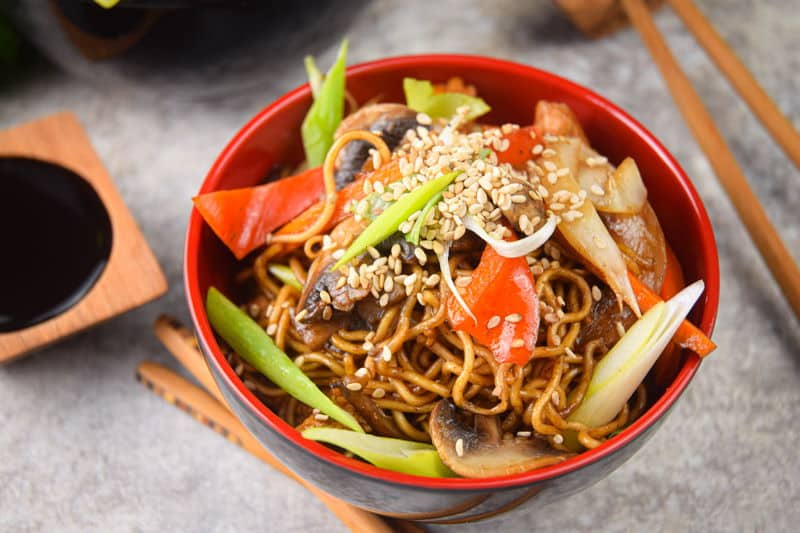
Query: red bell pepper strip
242,218
501,287
344,200
520,147
688,335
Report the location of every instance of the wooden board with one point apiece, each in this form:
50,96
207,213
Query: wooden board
132,276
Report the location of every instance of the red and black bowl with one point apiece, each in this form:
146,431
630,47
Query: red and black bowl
273,137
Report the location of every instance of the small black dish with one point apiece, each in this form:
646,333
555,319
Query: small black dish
56,237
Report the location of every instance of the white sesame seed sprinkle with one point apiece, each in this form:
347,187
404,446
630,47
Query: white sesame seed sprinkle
378,393
355,386
460,447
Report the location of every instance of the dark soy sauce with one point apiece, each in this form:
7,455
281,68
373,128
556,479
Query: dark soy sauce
55,239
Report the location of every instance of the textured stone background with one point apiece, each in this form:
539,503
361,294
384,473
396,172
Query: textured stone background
83,447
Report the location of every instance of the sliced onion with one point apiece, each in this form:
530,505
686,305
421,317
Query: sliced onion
444,267
624,367
516,248
622,189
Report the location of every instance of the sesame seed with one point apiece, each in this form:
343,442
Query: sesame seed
325,297
321,417
355,386
386,353
596,293
373,252
327,313
548,153
514,318
362,372
396,250
420,255
597,190
460,447
463,281
523,433
368,346
424,119
342,281
272,329
596,161
493,322
432,280
384,300
338,253
558,439
301,315
536,150
378,394
517,343
549,166
561,172
620,328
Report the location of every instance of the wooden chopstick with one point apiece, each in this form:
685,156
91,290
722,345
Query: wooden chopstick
742,80
181,344
728,172
178,391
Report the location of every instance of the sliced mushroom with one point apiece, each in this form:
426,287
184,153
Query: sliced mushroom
322,318
532,207
601,323
368,411
473,446
406,248
641,241
391,121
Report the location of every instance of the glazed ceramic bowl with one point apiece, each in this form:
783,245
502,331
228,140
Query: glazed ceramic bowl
273,136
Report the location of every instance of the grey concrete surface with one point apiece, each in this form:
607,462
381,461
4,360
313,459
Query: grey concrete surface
83,447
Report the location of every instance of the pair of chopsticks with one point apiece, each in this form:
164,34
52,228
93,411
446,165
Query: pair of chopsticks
729,174
208,407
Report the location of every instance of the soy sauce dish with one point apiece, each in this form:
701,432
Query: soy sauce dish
454,488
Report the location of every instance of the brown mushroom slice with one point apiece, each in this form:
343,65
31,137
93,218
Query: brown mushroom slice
532,208
368,411
641,241
390,121
476,448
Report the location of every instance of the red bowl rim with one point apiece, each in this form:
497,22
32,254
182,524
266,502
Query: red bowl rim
657,410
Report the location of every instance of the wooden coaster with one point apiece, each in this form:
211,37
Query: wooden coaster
131,277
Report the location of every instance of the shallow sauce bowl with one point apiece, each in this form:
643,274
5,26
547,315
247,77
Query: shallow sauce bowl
273,137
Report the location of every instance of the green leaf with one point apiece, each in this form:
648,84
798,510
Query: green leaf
253,344
399,455
314,76
413,235
326,112
286,275
420,97
387,222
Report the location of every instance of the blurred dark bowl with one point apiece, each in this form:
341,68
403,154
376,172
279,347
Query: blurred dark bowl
201,48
